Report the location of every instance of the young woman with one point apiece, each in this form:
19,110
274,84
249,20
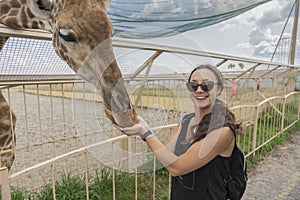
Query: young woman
201,144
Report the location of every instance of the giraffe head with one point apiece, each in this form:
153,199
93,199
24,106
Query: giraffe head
82,38
78,27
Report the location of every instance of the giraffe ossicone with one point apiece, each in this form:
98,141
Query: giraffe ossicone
82,38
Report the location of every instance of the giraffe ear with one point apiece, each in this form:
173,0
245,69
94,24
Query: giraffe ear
41,9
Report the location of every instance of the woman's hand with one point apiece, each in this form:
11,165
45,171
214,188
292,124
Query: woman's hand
140,128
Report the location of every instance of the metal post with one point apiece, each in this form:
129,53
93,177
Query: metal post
283,115
255,130
4,183
294,34
299,107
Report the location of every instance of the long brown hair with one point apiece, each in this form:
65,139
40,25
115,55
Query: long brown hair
220,116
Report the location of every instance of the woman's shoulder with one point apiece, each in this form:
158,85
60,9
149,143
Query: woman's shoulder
226,131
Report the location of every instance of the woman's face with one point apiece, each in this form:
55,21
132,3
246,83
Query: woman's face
202,98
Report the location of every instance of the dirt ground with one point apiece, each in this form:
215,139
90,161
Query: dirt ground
278,175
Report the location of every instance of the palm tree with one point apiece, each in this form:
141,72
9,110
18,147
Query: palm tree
241,65
231,66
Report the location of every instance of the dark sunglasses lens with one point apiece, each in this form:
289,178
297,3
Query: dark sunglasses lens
207,86
194,86
191,86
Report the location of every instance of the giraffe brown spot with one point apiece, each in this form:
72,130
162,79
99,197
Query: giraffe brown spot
15,4
35,25
4,9
29,13
24,18
13,22
25,23
14,13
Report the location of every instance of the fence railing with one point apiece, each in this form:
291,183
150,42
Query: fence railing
262,123
61,127
266,120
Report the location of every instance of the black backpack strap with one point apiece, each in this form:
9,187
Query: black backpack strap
223,170
184,124
180,148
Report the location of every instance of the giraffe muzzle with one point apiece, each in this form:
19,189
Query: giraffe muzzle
122,111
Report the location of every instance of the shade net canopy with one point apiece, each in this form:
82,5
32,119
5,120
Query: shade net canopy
141,19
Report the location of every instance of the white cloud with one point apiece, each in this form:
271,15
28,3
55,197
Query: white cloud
244,45
227,26
263,49
268,26
257,31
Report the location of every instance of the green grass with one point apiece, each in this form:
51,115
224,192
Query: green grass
101,187
280,139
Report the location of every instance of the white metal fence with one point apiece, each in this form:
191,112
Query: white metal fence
61,130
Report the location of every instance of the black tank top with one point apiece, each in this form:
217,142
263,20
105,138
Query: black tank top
203,183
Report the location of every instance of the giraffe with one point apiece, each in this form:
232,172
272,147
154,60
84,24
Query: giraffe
81,36
7,129
7,133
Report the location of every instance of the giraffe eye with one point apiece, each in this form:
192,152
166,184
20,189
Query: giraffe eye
66,35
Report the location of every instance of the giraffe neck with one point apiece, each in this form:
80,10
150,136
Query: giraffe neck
7,134
16,14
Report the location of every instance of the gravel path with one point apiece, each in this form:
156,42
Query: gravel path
278,175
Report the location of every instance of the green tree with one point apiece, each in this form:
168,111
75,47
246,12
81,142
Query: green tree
241,65
231,66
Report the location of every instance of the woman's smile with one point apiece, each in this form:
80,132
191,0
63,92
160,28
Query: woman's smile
201,98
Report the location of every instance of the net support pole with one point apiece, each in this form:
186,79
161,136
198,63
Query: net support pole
4,184
294,34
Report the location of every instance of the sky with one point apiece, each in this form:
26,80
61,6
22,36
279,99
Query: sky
253,34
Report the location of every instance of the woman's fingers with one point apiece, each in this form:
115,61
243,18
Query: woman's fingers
137,129
128,130
133,130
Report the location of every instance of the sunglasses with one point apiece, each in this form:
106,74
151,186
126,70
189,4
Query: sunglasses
205,86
